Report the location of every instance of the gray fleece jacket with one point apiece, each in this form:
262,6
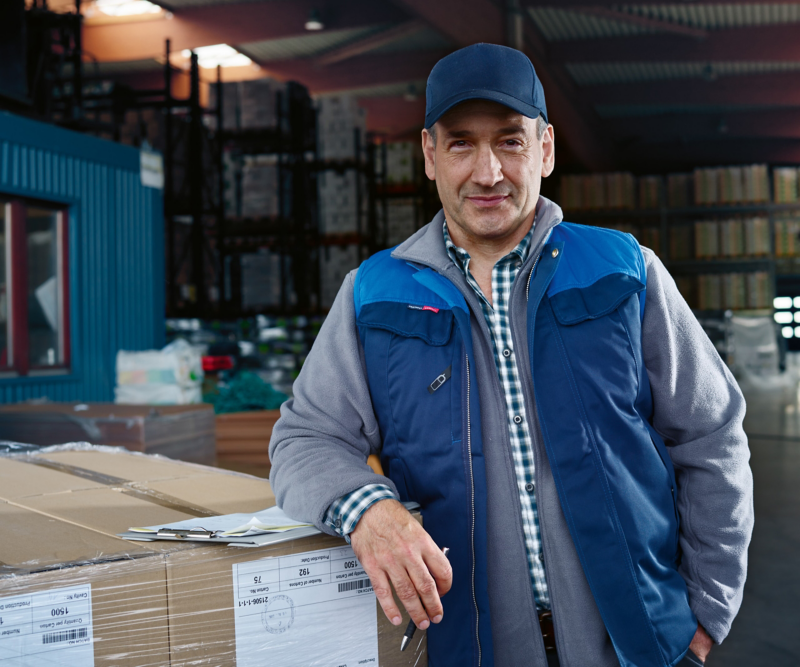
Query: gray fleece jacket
320,445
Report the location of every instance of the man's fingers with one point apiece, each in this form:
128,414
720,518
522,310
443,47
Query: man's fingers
440,570
383,591
427,590
407,593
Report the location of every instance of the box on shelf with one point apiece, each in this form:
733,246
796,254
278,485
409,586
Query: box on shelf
339,121
184,432
248,105
263,276
74,588
401,221
338,201
400,157
335,263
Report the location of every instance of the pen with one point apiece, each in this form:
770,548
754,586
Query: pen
411,625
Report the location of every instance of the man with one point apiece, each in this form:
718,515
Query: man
519,377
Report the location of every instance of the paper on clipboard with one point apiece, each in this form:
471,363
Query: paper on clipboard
272,520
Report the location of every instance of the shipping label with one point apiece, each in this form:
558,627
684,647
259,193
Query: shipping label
314,609
52,627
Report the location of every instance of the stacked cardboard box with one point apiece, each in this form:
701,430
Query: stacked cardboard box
731,185
243,437
338,201
736,291
335,263
787,235
598,192
706,239
401,221
263,275
650,191
259,186
786,185
680,242
756,236
400,158
680,190
248,105
183,432
73,593
339,121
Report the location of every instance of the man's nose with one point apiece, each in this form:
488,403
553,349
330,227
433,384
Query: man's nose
488,171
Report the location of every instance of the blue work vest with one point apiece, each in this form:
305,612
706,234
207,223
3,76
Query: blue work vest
614,477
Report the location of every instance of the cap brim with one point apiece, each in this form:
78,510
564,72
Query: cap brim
492,95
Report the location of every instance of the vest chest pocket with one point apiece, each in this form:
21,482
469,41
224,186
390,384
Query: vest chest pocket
576,305
414,365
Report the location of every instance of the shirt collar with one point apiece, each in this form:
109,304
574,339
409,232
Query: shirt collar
460,257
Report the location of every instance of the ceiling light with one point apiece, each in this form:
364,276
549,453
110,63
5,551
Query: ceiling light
314,21
127,7
221,55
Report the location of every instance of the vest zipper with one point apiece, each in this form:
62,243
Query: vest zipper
530,277
472,499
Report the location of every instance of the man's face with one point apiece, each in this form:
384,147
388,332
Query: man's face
488,166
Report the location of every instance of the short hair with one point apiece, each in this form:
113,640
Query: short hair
541,126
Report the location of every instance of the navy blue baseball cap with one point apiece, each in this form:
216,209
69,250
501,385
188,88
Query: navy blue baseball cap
484,72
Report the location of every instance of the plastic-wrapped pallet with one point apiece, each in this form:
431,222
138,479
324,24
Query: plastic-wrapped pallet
171,376
400,157
259,186
785,180
74,593
248,105
338,202
262,279
401,221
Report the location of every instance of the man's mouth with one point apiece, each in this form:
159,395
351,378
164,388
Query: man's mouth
487,201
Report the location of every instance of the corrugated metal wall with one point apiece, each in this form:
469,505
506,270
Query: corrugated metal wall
116,237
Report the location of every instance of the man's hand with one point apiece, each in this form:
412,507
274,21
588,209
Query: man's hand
393,547
701,643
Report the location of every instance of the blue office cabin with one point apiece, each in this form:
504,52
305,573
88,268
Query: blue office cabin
81,261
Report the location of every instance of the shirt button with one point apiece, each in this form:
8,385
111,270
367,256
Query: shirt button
506,353
541,557
338,523
517,419
529,487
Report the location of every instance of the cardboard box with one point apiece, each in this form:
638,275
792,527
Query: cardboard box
244,436
183,432
69,587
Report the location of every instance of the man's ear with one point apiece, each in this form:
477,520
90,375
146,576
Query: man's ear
429,151
548,152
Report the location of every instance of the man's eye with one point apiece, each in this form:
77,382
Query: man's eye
512,142
460,144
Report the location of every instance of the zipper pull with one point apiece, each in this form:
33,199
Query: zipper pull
439,381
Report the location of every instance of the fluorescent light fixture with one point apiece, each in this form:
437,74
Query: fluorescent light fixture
783,317
221,55
126,7
788,332
797,302
797,332
782,302
314,21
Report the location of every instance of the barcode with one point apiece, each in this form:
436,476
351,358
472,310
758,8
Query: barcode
354,585
64,636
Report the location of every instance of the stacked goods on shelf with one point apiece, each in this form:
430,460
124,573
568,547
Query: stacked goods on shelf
681,246
731,238
731,185
598,192
706,239
401,221
647,235
248,105
756,236
650,191
787,235
687,286
400,157
735,291
259,195
341,127
338,201
335,263
263,273
680,190
170,376
786,185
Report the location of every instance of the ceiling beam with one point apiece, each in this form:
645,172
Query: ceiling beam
769,123
774,89
483,21
643,21
757,43
230,23
357,72
371,42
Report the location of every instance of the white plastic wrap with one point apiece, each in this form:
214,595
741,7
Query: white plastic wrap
171,376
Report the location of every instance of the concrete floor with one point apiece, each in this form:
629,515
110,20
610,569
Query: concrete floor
767,629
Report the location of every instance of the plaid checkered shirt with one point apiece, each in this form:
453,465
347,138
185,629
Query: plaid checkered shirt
343,515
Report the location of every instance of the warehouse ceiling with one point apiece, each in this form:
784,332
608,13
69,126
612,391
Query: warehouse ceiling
646,85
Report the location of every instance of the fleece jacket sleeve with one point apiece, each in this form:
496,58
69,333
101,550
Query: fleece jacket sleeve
321,442
698,409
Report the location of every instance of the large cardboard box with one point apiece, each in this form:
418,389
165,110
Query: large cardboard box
183,432
73,593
